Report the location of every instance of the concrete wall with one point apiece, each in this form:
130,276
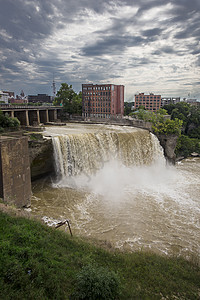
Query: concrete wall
15,179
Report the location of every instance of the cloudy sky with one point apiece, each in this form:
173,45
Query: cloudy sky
146,45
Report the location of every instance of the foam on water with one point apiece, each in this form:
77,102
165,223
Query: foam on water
117,186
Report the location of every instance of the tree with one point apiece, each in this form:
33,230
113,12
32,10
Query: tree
193,123
168,127
127,108
67,97
6,121
169,108
162,111
185,146
77,104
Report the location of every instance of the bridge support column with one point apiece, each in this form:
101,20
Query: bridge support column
12,114
38,116
47,115
27,118
55,114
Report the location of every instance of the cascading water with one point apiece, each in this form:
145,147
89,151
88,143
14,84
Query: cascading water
87,153
113,184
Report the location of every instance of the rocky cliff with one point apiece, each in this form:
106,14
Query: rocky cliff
168,142
41,158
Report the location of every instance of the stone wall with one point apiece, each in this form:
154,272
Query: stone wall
15,179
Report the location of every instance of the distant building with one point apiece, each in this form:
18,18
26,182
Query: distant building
170,100
40,98
18,100
193,102
102,100
4,97
150,102
10,94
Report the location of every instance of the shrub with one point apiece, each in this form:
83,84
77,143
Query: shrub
168,127
6,121
96,283
185,146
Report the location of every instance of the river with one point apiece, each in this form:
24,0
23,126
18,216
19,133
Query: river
114,185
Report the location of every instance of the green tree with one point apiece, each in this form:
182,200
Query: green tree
162,111
181,112
185,146
149,116
193,123
169,108
77,104
6,121
127,108
142,107
67,97
168,127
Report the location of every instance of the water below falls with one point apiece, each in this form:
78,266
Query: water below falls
113,184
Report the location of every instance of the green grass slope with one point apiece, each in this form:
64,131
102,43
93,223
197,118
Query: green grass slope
38,262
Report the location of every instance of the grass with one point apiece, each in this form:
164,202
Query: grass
38,262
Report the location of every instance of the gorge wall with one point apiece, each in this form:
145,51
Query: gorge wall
41,158
168,142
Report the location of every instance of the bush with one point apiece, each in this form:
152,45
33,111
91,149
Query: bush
96,283
6,121
185,146
168,127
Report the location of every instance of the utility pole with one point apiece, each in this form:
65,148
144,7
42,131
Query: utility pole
54,87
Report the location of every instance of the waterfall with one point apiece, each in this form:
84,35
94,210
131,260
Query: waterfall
88,152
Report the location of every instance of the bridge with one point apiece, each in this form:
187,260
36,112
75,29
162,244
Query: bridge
32,115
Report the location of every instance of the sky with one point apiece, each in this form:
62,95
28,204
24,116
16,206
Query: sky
146,45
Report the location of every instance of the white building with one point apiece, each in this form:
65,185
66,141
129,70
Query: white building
4,97
170,100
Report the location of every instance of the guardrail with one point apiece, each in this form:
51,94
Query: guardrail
27,107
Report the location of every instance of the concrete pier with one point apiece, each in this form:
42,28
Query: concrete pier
32,115
15,178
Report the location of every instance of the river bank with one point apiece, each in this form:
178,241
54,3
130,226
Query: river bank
39,262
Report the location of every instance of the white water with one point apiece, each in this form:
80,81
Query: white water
133,202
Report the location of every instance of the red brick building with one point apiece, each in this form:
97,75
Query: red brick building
102,100
150,102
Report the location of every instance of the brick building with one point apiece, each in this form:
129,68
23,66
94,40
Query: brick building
102,100
150,102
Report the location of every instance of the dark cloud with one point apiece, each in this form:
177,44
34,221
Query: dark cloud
198,61
192,83
168,50
152,32
112,45
26,24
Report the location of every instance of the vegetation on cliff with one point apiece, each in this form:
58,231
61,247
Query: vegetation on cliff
184,122
8,122
38,262
160,124
189,141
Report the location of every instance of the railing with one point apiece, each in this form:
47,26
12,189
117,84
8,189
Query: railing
27,107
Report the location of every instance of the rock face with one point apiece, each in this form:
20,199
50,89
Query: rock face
169,145
41,158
